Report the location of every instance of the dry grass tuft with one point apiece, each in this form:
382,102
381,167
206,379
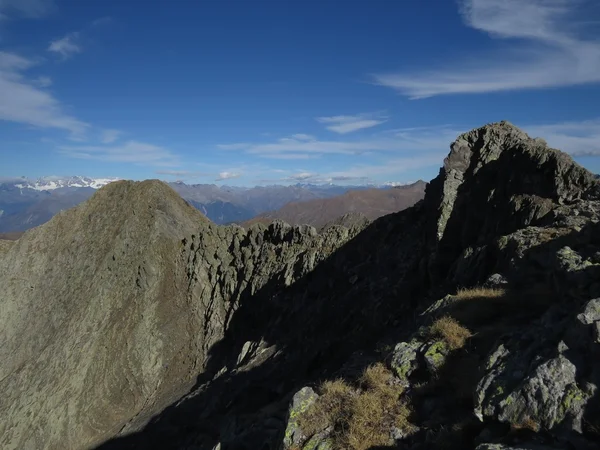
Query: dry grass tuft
362,418
330,408
526,424
376,377
479,293
452,332
477,307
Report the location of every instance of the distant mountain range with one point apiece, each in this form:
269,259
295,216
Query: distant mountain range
53,183
359,205
26,203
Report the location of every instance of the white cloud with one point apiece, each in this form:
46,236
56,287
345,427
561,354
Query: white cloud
239,146
129,152
110,136
106,20
26,8
227,176
24,102
303,137
576,138
419,140
182,173
301,176
43,81
368,173
289,156
66,46
542,50
348,124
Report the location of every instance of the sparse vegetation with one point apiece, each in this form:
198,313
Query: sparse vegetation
330,409
526,424
480,306
452,332
479,293
361,417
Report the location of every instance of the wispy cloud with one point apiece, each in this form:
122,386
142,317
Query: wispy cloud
32,9
227,176
543,50
106,20
110,136
366,173
66,46
348,124
401,140
25,102
129,152
43,81
238,146
577,138
187,174
303,137
302,176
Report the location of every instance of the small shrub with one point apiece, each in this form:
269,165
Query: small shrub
452,332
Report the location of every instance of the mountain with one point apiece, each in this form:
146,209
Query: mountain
28,203
370,203
25,203
52,183
226,204
469,320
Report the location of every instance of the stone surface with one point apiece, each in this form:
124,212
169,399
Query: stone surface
591,312
294,436
405,359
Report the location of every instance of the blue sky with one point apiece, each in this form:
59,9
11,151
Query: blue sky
246,92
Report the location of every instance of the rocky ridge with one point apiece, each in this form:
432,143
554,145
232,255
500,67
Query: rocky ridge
128,305
478,305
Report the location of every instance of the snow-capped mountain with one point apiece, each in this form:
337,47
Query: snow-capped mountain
52,183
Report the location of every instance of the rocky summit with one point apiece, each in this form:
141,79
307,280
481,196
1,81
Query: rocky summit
470,320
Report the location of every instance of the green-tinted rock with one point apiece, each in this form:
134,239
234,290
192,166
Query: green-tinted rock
435,356
303,400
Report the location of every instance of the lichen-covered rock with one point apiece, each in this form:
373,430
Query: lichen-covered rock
319,441
547,396
405,359
435,356
527,378
302,400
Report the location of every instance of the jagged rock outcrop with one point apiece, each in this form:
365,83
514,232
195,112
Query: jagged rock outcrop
519,219
147,305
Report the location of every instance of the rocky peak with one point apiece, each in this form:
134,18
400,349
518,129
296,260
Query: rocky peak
497,179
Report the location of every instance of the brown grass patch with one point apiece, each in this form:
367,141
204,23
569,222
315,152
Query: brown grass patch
480,306
330,408
479,293
526,424
361,418
452,332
